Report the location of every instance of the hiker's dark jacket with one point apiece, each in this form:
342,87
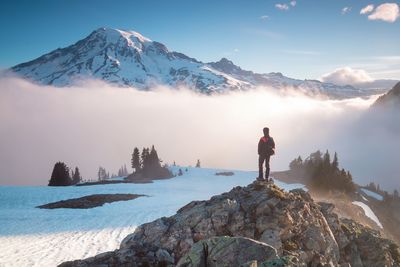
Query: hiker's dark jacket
266,146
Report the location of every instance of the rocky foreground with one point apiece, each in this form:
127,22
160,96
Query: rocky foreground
256,225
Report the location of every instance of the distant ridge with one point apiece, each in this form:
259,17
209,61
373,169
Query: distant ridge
391,98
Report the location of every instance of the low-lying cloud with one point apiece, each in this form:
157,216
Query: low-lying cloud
99,125
347,76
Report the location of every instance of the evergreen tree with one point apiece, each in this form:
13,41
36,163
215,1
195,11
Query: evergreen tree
396,194
155,160
372,187
60,175
125,170
335,163
296,164
102,174
327,160
76,177
144,157
135,160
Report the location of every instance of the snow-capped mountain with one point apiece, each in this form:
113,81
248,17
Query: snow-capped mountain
126,58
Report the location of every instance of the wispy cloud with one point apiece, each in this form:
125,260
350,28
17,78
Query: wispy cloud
293,3
282,6
264,17
367,9
388,12
388,58
345,10
395,72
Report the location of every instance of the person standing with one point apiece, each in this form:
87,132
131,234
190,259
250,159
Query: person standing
266,148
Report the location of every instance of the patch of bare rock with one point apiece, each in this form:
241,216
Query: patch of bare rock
88,202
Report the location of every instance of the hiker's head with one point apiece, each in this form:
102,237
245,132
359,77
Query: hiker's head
266,131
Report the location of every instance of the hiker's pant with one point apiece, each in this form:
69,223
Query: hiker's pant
261,159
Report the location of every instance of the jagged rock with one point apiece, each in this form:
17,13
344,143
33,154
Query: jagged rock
227,251
299,229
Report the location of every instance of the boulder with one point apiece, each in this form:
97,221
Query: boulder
227,251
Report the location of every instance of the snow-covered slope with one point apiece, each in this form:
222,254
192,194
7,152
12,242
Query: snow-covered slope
37,237
126,58
372,194
368,212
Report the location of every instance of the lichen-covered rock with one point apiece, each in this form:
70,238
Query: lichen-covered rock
227,251
291,222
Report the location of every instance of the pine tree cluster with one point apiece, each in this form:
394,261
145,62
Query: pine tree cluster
147,164
322,173
102,174
61,176
123,171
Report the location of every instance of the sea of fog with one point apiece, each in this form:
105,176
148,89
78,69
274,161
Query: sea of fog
96,124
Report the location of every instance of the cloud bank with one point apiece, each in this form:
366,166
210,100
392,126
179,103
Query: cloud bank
96,125
347,76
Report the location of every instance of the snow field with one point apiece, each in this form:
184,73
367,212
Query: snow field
37,237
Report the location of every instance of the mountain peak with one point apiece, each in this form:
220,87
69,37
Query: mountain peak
114,34
225,65
224,60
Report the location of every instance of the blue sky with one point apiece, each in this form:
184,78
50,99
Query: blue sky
302,39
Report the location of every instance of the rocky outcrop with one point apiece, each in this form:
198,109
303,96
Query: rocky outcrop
88,202
289,229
